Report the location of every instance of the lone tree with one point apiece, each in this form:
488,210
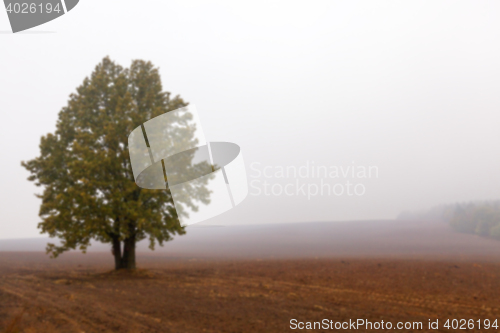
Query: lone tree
84,167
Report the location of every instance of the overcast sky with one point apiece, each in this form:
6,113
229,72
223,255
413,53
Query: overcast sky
411,87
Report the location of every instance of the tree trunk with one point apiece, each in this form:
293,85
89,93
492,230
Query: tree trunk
117,252
123,259
128,260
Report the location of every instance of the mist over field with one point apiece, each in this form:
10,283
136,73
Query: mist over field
358,239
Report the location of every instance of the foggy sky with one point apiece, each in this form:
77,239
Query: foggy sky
411,87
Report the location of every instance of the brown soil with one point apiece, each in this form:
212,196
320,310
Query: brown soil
79,293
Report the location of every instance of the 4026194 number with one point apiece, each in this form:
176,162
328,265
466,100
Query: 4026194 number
464,324
32,8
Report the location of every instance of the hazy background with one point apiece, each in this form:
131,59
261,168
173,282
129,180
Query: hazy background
411,87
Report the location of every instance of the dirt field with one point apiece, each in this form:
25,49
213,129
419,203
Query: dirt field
80,293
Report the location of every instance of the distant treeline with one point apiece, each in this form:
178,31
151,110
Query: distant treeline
480,218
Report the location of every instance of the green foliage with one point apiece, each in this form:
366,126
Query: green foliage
84,167
480,218
476,218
